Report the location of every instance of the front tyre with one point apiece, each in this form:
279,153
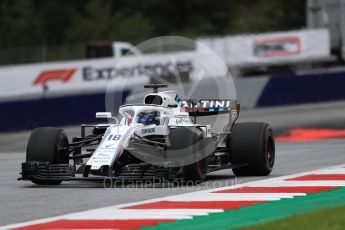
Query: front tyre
47,144
252,143
185,139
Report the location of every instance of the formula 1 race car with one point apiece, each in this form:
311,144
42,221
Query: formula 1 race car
157,139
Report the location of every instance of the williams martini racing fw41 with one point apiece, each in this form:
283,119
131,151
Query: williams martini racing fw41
157,139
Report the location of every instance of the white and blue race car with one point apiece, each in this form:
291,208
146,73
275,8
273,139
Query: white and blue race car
157,139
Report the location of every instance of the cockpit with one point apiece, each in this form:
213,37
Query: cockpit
157,109
149,118
145,114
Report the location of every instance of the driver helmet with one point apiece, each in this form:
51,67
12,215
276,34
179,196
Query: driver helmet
149,118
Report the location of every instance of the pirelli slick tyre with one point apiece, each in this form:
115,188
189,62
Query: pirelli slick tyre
183,138
252,143
47,145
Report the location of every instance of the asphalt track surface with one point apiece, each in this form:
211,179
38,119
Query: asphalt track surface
23,201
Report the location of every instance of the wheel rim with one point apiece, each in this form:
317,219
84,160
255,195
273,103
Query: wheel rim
270,154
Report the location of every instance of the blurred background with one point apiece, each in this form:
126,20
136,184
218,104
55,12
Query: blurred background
57,57
38,30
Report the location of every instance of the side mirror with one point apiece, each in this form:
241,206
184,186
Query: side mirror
107,115
103,115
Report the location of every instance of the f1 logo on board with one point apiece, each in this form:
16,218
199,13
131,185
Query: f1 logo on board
63,75
277,47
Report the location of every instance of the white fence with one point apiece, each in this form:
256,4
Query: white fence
270,48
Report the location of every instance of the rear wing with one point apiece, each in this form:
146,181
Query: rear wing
209,107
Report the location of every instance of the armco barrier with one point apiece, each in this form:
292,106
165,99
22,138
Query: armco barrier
256,92
74,108
304,88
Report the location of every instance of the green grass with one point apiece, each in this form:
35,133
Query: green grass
330,219
270,212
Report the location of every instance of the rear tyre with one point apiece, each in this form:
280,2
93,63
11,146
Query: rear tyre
47,144
184,139
252,143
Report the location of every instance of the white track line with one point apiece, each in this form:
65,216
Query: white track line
305,183
234,197
334,171
115,214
